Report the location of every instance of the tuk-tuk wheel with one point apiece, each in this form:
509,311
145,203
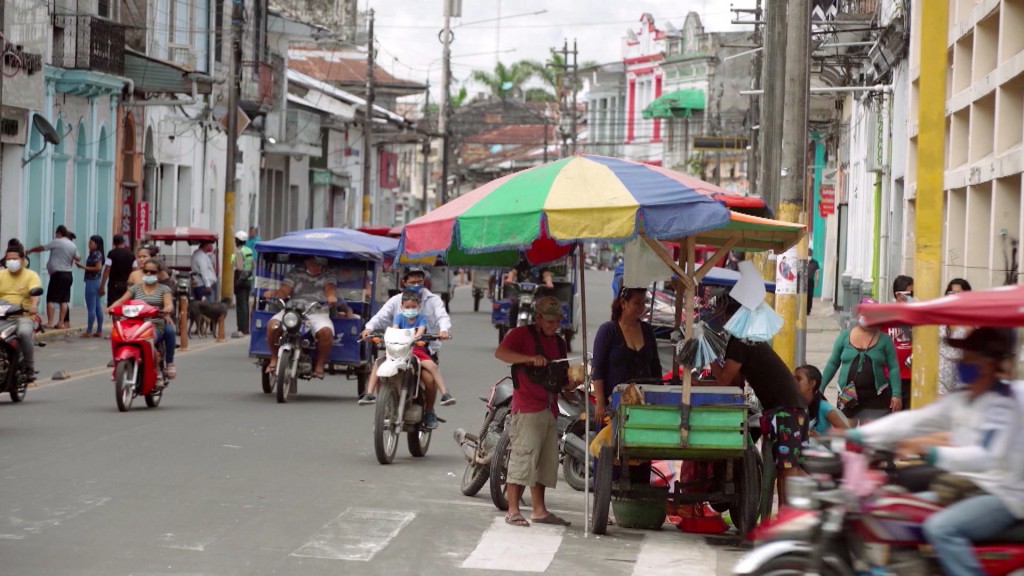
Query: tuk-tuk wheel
502,331
748,487
268,384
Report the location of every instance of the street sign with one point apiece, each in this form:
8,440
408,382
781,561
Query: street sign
827,202
142,219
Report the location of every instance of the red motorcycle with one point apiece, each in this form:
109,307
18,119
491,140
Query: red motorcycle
869,528
138,358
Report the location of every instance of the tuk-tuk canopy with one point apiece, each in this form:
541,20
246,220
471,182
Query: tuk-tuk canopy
324,242
181,233
386,246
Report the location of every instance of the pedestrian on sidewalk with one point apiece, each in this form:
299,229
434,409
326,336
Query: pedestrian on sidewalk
243,280
902,336
949,356
813,270
116,270
93,284
204,276
63,255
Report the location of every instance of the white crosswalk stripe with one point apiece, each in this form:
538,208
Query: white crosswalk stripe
358,534
516,549
667,556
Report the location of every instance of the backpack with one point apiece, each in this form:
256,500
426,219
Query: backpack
553,376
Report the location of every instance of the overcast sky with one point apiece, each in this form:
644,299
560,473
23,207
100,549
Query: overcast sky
407,30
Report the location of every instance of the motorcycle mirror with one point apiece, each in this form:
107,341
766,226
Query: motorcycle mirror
35,292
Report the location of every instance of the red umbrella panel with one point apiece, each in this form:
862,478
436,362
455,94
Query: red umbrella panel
1001,307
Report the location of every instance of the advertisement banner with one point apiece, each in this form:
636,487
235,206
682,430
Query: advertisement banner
142,219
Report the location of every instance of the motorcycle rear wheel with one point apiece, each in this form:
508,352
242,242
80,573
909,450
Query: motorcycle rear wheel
499,471
602,490
476,475
385,434
153,398
19,387
419,442
573,471
124,392
476,302
285,375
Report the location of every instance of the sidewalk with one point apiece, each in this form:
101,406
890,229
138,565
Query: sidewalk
67,355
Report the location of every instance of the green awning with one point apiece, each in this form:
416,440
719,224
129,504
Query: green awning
678,104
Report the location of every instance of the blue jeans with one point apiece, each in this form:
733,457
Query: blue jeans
951,531
170,341
93,305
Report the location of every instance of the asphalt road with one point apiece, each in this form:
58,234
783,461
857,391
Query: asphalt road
220,479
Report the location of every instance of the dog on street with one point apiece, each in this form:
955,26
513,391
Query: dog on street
203,316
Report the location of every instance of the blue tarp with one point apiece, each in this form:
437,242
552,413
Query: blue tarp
385,245
324,242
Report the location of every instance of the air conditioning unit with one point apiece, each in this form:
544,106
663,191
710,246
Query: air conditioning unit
183,55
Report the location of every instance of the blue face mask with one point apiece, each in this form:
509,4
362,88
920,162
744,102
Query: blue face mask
414,287
150,279
410,312
967,372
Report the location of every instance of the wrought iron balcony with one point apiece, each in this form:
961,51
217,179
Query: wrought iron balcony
88,43
257,84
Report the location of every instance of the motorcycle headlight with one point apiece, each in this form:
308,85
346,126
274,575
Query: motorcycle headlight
800,492
291,320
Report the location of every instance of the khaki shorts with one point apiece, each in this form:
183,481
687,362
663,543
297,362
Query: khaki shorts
534,458
315,322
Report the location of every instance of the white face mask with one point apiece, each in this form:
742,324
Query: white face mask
13,265
863,322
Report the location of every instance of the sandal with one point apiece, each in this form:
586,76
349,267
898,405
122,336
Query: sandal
319,375
516,520
551,519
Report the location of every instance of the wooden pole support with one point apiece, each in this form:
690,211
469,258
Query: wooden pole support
182,323
220,328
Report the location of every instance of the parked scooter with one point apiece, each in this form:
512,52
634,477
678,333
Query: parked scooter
828,529
138,354
14,375
401,397
479,449
570,430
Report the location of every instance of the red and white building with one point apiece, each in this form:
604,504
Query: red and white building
643,52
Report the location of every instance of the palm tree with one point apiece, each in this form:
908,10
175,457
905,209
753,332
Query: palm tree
505,80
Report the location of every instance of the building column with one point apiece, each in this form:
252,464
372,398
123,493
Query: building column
656,134
630,107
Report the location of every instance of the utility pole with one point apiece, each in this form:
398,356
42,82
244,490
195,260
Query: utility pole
754,117
426,151
567,101
234,43
368,127
452,9
790,342
573,87
931,140
773,104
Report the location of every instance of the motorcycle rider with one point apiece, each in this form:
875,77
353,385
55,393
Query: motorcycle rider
438,322
981,424
524,272
16,280
311,283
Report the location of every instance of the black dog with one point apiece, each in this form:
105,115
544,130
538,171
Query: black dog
204,316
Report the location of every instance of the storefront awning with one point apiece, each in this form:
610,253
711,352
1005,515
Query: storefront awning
677,104
155,76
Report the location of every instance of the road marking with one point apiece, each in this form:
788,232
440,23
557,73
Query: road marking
670,557
57,516
358,534
516,549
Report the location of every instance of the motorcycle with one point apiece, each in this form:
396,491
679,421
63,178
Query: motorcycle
527,294
297,351
138,354
14,374
571,448
479,449
833,529
400,405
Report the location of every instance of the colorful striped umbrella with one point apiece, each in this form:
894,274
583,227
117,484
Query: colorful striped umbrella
574,199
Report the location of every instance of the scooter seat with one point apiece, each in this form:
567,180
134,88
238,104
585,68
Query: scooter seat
1015,535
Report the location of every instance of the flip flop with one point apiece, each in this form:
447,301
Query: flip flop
551,519
516,520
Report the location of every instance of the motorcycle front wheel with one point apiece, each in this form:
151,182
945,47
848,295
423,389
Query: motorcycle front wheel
787,565
125,393
285,374
385,431
19,387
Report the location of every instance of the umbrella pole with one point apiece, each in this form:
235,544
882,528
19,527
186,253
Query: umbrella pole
586,391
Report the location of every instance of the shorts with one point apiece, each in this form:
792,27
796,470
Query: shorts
315,322
534,441
787,429
59,289
421,353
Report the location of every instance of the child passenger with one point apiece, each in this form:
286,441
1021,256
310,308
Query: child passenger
410,318
823,416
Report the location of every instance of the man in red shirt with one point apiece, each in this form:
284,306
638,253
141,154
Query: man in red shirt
903,291
532,430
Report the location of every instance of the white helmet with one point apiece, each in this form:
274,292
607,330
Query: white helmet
241,236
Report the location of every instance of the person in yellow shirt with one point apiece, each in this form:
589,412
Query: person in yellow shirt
16,280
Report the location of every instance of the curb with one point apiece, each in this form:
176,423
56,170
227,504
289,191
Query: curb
56,333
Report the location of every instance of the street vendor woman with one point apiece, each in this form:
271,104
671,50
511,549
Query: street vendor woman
748,354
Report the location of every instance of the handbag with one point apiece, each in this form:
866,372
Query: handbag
552,376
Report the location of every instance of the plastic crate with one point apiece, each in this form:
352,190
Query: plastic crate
718,417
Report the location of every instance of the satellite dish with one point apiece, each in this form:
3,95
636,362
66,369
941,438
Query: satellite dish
48,132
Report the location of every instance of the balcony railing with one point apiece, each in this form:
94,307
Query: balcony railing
88,43
257,83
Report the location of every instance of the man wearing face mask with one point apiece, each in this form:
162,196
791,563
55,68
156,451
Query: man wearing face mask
311,283
16,280
903,291
970,434
438,322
